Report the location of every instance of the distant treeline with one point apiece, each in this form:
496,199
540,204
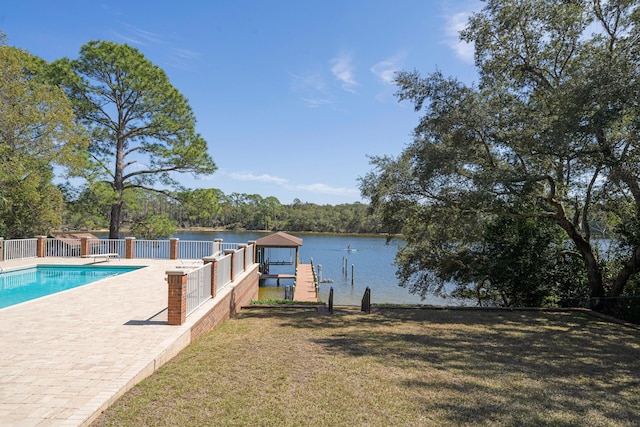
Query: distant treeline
211,208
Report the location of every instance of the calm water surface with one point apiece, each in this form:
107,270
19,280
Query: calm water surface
25,284
370,257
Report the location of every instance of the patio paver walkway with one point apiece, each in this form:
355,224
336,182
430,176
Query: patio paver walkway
66,357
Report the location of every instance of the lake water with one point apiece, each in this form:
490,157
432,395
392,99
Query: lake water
370,257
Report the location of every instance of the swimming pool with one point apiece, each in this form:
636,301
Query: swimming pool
25,284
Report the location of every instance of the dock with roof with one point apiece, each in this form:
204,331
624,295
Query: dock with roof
305,289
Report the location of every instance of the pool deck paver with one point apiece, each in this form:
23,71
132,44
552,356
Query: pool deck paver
68,356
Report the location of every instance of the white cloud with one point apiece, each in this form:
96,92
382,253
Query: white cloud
129,40
316,103
386,70
317,188
174,56
261,178
185,53
311,89
148,35
343,71
307,82
139,36
454,23
326,189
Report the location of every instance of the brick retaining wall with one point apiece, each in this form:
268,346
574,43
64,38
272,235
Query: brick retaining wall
231,299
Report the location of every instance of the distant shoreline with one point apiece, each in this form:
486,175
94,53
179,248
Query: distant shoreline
223,230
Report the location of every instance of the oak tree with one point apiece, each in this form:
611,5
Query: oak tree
550,132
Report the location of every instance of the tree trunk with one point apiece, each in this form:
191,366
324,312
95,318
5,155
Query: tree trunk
114,223
631,267
594,272
118,186
594,277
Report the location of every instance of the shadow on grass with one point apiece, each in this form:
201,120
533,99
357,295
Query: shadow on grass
481,367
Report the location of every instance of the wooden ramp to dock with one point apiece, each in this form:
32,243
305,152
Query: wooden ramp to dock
305,289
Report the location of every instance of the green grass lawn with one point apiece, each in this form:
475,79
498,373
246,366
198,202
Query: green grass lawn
395,367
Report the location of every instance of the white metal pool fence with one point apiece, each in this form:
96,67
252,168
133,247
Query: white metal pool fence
106,246
223,273
238,260
249,256
199,279
19,249
198,287
145,249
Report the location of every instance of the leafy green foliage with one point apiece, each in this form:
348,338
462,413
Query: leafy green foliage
522,263
87,208
153,226
36,132
142,129
549,134
201,206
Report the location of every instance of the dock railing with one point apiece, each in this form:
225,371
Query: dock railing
316,281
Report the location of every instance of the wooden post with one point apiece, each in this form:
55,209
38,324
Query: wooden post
1,248
366,301
177,307
331,300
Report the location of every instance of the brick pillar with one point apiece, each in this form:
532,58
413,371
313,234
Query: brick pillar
41,246
85,248
214,273
244,262
177,308
217,249
129,247
173,248
233,258
254,249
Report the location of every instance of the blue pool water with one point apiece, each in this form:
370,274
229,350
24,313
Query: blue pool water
22,285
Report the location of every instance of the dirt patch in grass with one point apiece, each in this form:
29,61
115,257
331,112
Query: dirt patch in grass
409,367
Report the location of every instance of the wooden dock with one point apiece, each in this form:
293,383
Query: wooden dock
277,277
305,289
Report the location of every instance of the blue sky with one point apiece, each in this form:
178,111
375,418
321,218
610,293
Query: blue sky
291,96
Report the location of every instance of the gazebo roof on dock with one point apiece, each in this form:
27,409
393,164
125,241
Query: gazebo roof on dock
279,240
